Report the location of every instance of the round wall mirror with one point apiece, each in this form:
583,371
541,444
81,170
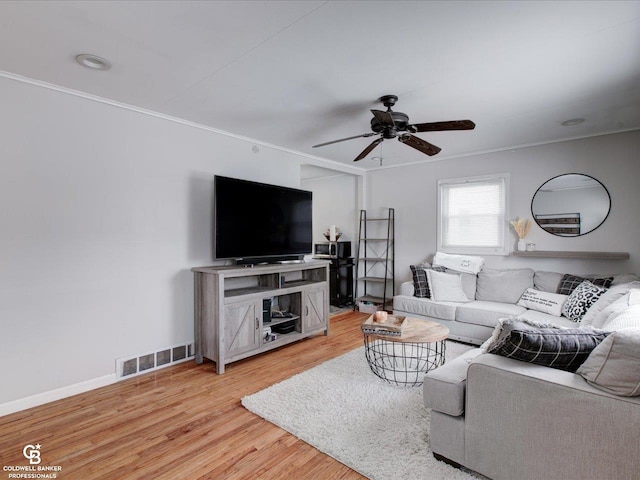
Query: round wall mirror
571,205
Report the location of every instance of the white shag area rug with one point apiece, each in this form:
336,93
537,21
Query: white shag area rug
344,410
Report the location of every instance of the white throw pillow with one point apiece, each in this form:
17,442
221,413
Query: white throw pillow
627,318
446,287
610,311
598,313
544,302
459,263
614,365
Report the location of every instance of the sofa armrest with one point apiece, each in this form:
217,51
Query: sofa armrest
443,389
528,421
407,288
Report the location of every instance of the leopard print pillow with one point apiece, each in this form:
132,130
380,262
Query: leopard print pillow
584,295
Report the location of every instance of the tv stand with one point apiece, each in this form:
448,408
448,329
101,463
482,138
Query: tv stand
234,304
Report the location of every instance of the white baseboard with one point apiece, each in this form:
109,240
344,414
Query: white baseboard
57,394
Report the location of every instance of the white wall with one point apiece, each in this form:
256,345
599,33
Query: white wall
103,212
335,202
612,159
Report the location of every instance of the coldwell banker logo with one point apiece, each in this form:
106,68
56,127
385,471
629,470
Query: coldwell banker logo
34,469
32,453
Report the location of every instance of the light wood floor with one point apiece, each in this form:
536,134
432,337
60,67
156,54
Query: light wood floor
183,422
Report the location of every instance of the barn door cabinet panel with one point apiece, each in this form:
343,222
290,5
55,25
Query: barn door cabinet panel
315,301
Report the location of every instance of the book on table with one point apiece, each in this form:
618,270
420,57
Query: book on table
394,325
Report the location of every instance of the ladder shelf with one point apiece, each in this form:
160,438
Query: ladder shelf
375,260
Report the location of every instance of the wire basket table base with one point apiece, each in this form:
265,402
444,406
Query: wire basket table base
403,363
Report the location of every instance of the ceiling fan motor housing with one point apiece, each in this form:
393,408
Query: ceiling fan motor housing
400,123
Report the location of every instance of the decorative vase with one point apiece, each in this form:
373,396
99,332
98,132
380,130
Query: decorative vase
522,245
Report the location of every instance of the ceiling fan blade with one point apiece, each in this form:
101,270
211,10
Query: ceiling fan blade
384,118
419,144
367,150
345,139
442,126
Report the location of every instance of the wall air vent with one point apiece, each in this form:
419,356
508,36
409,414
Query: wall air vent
127,367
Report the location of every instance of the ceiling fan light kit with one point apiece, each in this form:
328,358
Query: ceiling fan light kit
390,124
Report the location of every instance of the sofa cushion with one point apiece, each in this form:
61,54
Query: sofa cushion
581,299
570,282
504,286
561,348
614,365
544,302
547,281
446,287
486,313
420,280
425,307
444,388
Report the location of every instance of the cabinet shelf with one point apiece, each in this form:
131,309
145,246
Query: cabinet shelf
572,254
279,320
283,339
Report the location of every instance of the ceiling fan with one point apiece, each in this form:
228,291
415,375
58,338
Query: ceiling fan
392,124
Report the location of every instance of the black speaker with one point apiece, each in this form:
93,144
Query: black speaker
266,311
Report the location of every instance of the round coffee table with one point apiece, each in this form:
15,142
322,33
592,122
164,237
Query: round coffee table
403,360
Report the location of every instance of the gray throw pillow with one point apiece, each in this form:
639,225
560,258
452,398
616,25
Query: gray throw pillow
561,348
614,365
504,286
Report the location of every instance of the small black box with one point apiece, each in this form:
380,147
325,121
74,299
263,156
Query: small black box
285,327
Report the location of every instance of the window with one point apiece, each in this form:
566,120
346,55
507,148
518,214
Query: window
472,216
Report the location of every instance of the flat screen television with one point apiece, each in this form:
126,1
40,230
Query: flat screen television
256,222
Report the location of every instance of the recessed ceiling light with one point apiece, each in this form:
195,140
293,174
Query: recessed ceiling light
93,61
571,122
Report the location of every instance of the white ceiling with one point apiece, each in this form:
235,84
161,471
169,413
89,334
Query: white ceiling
297,73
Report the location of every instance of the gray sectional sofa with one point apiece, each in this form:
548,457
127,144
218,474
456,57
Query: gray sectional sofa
510,419
494,294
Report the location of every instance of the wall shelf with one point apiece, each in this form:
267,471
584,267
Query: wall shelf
572,254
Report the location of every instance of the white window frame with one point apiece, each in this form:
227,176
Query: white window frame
441,204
